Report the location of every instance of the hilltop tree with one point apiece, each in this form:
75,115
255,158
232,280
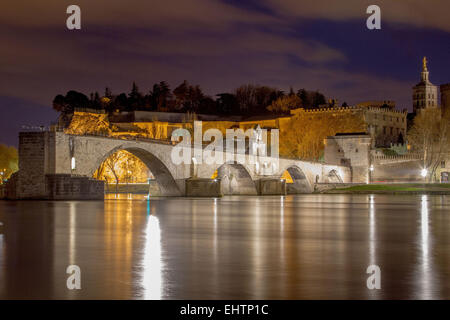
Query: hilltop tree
108,93
304,97
254,99
227,104
284,104
73,99
318,99
121,102
135,98
161,97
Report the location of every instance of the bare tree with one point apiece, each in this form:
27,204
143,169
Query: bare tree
111,165
430,137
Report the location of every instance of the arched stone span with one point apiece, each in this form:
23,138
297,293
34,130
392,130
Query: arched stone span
165,180
68,159
332,177
236,180
300,182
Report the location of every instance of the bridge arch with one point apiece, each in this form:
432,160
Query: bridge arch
235,179
333,177
300,183
165,180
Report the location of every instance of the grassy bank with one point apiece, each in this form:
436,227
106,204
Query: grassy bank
400,188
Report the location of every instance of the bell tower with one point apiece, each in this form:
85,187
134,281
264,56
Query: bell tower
425,94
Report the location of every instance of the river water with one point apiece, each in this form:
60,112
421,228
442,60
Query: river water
293,247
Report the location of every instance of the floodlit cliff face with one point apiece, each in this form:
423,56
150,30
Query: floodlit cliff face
90,123
304,134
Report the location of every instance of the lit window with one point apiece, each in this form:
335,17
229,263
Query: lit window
73,163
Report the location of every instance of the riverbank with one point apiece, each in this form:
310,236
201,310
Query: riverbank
400,188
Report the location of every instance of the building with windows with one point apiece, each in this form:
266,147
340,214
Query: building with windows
425,94
385,125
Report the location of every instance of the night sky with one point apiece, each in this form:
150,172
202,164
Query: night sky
318,44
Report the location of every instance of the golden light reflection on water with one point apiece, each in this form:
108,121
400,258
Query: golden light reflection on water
151,262
118,237
375,294
2,254
426,263
293,247
72,232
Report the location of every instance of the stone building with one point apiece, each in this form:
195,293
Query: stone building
425,94
352,150
445,97
386,126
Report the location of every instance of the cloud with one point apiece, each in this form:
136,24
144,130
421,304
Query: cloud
417,13
209,42
146,41
168,14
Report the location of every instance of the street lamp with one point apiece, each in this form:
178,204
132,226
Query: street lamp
369,176
424,173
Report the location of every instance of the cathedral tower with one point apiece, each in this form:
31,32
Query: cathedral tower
425,94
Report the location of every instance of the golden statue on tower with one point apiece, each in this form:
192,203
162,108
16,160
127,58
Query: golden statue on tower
425,61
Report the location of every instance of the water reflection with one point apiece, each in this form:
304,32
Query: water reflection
72,233
372,232
375,294
151,262
293,247
426,266
2,254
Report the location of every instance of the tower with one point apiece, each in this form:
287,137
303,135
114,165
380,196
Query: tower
425,94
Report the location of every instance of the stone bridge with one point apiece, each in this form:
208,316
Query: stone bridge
55,165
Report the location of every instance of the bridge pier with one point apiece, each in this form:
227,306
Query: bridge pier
271,186
198,187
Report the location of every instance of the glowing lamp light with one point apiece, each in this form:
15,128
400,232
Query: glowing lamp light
371,167
73,163
424,173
